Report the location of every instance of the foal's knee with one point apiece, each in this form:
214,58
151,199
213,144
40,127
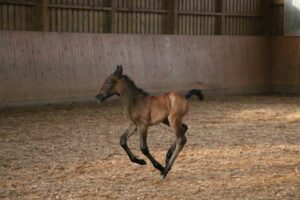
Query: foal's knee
184,128
144,150
182,140
123,141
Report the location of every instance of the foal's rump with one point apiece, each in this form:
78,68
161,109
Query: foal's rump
179,104
156,109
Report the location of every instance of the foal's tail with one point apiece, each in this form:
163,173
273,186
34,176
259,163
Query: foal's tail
195,92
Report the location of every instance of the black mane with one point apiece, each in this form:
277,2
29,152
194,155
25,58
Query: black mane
132,85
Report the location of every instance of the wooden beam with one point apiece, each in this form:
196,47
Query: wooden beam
173,26
267,29
212,14
113,18
278,2
136,10
219,17
16,2
41,16
79,7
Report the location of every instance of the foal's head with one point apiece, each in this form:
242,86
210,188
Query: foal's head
109,87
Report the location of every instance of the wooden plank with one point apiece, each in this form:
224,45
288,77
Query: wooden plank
1,18
10,18
95,18
195,24
91,21
30,18
80,19
245,22
64,20
201,18
18,21
148,17
59,17
134,17
80,7
70,17
85,18
142,17
210,19
119,23
52,19
194,18
75,17
267,17
219,19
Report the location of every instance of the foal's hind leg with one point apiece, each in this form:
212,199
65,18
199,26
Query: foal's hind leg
145,150
180,142
184,128
123,142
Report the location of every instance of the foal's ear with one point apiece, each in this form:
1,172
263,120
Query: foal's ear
119,71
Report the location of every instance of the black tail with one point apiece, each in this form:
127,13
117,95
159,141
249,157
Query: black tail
195,92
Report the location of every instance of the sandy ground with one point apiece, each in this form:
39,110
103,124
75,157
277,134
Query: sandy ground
238,148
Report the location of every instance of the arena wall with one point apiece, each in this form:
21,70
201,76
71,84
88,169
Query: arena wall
37,67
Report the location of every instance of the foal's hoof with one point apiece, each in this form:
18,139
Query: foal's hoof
163,175
139,161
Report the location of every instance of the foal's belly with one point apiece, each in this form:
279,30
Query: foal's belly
149,118
150,115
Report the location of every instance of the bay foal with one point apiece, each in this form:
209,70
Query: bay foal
144,110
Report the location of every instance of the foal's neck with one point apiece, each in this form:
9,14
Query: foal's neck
130,93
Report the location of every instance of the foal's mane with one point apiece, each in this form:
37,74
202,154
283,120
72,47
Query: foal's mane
133,86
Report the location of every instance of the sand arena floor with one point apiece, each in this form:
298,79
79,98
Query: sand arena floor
238,148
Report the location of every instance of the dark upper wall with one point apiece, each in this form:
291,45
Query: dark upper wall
188,17
43,67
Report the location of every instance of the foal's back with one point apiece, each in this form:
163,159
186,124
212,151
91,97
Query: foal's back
156,109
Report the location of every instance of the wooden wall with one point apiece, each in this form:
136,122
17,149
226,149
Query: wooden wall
90,16
188,17
286,64
44,67
18,16
227,17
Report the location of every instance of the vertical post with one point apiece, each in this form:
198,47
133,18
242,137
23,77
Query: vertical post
173,26
267,13
220,17
113,18
41,15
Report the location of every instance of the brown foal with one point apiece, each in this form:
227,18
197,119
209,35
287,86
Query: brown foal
144,110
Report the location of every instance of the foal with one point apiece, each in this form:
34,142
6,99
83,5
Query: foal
143,110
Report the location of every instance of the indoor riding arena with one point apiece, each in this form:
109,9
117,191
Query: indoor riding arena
60,59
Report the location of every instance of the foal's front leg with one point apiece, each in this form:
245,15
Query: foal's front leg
144,148
123,142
